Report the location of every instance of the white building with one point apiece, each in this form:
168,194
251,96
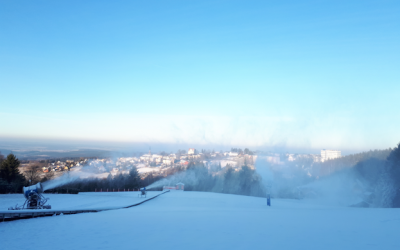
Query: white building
193,156
291,157
327,154
168,160
145,157
191,151
316,158
156,158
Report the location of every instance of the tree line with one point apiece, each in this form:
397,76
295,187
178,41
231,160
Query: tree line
196,177
383,175
379,168
11,180
130,181
244,180
229,180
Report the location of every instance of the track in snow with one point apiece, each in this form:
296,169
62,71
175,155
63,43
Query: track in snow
28,214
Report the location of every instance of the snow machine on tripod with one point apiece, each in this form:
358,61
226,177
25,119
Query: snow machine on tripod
34,198
143,192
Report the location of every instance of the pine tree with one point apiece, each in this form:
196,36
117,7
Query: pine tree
228,187
394,164
134,178
1,158
384,190
2,182
9,169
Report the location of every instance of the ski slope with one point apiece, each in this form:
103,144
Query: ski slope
99,200
196,220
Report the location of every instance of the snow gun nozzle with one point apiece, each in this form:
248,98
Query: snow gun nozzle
34,189
34,198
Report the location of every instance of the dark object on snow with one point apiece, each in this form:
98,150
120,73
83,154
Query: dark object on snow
34,198
268,200
142,192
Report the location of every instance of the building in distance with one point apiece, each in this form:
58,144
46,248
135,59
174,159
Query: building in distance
327,154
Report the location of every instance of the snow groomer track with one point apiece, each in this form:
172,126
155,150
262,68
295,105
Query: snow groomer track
10,215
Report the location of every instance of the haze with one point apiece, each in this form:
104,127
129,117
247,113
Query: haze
294,74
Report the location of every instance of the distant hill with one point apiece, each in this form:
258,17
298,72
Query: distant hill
43,155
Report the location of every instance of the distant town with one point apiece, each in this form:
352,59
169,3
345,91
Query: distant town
163,164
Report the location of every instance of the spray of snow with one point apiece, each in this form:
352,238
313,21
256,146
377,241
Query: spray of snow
342,188
65,179
187,177
92,170
264,170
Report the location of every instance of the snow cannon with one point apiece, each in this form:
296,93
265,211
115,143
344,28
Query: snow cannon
28,191
142,192
34,198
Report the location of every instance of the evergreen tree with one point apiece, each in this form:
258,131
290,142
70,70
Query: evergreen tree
1,158
1,162
245,180
228,180
9,169
394,165
134,178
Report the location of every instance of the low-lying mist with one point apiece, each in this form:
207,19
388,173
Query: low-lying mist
363,180
365,184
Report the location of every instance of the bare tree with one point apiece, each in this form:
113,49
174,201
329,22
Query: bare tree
32,174
47,176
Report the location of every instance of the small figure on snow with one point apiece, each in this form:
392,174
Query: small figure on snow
143,192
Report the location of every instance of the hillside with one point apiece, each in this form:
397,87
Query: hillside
197,220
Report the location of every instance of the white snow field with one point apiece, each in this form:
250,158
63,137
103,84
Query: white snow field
197,220
98,200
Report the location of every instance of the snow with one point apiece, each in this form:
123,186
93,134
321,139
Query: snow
98,200
197,220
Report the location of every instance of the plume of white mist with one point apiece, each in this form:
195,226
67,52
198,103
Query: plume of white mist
66,178
341,189
264,170
187,177
79,173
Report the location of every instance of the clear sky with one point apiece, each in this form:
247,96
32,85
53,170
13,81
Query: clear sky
306,74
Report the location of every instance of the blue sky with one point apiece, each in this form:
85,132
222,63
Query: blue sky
305,74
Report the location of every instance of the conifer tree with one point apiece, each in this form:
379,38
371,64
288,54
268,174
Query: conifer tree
9,169
394,163
134,178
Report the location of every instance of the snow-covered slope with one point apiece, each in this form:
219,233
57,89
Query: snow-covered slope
195,220
92,200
